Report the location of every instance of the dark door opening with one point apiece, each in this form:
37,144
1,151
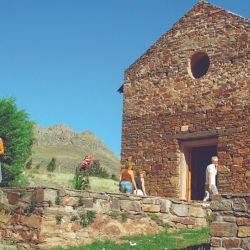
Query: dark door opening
200,158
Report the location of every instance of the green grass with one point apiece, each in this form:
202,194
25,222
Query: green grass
162,241
43,178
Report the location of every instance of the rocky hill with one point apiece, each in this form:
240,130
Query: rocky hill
69,148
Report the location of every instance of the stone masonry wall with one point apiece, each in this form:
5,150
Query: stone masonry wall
164,104
47,217
231,226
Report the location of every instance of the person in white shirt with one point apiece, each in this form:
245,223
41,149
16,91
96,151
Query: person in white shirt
210,185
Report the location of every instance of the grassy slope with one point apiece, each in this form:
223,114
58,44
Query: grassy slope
62,180
162,241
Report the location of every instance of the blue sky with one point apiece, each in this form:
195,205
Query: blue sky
63,60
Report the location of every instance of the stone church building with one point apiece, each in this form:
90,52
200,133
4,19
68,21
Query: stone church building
187,99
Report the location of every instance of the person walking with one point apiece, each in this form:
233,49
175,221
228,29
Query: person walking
210,185
1,153
139,180
127,179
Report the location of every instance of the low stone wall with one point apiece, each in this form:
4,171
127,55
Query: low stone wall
47,217
230,228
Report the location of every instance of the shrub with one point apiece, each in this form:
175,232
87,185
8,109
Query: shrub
113,214
58,219
80,202
57,199
95,169
114,177
38,166
153,216
80,180
124,217
165,225
52,165
90,216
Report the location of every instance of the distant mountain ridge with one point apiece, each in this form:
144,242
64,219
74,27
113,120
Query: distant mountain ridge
69,148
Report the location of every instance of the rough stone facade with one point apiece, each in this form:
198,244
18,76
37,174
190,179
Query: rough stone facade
231,226
165,104
47,217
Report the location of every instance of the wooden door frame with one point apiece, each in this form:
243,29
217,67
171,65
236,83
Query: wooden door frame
187,147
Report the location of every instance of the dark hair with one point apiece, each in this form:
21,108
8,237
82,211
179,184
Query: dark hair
139,172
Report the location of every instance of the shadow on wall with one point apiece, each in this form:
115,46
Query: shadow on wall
198,247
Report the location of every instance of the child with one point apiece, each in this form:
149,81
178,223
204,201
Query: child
139,180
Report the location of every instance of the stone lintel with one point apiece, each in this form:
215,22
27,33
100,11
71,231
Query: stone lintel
204,134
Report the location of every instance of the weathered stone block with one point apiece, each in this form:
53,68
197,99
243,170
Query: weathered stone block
115,204
223,229
243,221
184,128
184,220
238,160
231,243
201,222
216,242
50,195
246,243
39,195
244,232
76,227
197,212
69,201
165,206
68,209
130,205
150,208
88,203
151,201
229,219
113,229
224,205
180,209
74,193
13,197
239,205
32,221
101,206
243,150
101,196
3,198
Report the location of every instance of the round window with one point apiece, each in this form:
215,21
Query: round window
199,64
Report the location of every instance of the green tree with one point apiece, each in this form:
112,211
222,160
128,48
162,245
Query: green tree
52,165
17,133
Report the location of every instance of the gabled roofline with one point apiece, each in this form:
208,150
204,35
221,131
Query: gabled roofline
201,2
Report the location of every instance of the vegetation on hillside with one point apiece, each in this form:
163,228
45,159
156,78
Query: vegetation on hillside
52,165
17,133
69,147
37,177
89,167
